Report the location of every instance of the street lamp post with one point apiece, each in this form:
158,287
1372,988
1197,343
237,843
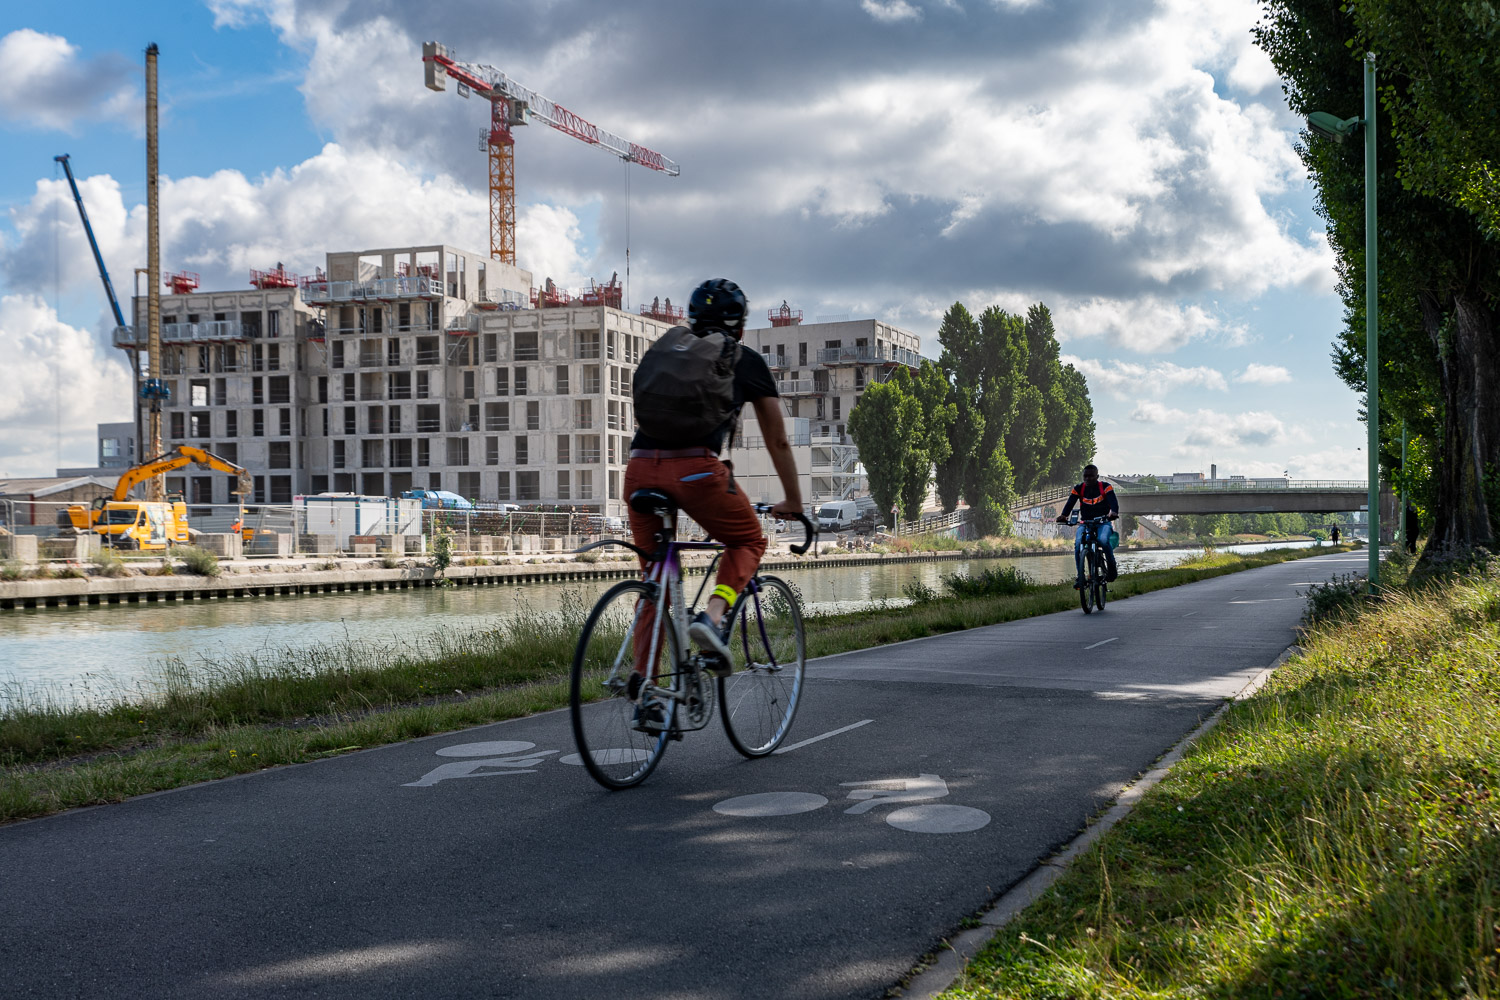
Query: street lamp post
1333,127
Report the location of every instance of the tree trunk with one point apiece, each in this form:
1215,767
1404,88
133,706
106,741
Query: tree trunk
1462,329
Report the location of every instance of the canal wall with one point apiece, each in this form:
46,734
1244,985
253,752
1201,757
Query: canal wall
259,581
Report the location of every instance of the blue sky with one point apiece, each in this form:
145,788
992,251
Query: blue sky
886,158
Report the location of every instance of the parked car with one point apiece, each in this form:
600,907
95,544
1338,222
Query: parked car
858,516
438,500
601,525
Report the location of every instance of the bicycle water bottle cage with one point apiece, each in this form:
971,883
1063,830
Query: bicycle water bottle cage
652,502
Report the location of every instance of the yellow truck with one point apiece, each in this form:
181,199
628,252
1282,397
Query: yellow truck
143,524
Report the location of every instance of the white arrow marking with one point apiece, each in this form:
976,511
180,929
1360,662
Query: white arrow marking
879,793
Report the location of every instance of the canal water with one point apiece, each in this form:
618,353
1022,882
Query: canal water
78,655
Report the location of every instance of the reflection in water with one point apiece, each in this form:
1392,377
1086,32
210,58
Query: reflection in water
99,653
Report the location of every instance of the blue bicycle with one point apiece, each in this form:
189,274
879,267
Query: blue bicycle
634,652
1095,589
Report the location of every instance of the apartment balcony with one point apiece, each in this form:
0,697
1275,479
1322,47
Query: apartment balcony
866,355
463,326
797,388
380,290
217,331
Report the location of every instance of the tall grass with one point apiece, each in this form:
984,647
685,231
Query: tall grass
1338,835
284,705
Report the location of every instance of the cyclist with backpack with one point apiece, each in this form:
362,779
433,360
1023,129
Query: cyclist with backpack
1095,499
688,391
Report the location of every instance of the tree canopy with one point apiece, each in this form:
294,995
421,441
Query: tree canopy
1438,146
997,415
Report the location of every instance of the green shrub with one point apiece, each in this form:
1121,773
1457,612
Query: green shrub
12,569
107,562
997,581
389,561
198,561
919,593
1338,598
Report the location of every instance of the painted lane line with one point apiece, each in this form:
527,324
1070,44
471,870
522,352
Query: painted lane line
1100,643
1190,614
836,732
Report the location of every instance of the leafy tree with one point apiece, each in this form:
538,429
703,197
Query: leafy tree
1438,142
963,441
884,425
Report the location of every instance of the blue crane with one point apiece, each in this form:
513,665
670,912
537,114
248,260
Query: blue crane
109,289
153,389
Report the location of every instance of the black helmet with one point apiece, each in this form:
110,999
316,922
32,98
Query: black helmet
718,304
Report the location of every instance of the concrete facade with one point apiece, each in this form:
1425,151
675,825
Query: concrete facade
426,367
821,370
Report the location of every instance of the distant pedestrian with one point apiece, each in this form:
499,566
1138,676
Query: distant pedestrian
1413,525
1334,534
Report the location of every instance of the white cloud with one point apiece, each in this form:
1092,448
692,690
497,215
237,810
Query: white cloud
226,224
1126,378
57,386
1145,324
1211,429
47,85
1259,374
890,11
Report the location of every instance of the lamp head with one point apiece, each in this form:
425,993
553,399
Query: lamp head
1332,126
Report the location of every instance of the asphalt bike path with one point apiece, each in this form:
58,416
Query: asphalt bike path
919,781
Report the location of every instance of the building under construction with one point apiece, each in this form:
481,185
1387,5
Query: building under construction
439,368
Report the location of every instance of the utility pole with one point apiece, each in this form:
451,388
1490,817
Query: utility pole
154,486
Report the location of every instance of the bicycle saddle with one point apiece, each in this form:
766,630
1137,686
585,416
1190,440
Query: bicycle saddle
651,502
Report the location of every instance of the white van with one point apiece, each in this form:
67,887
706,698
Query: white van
857,515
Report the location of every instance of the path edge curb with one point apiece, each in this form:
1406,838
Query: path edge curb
954,954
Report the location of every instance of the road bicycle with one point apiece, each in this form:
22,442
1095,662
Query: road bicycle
1095,589
635,646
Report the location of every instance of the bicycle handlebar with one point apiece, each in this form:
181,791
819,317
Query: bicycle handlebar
809,530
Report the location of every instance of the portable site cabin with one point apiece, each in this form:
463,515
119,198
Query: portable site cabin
345,515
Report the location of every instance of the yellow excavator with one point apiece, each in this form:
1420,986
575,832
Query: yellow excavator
145,524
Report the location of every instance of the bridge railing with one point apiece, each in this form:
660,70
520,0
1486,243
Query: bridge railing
1240,486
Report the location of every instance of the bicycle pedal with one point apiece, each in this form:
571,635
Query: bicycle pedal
675,734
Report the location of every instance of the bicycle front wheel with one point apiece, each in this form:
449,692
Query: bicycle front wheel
1101,585
1085,592
603,713
769,654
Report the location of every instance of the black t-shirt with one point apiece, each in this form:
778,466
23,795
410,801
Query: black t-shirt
752,381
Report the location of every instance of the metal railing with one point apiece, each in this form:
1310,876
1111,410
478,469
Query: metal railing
179,333
864,354
413,287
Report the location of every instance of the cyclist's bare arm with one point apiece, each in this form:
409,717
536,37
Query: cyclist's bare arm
773,429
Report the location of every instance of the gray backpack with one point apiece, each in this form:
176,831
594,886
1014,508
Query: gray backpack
684,386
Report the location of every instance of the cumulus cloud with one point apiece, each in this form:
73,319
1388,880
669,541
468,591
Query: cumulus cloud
1124,378
1074,152
1209,428
1259,374
1146,324
47,84
890,11
57,386
226,224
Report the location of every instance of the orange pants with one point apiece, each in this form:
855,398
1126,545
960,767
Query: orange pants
706,492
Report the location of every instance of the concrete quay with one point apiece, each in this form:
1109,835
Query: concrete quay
260,580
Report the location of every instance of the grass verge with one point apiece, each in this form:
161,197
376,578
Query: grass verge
285,707
1337,835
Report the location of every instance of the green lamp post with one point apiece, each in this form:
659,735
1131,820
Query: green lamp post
1333,127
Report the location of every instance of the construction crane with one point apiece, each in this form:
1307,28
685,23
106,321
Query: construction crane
88,230
510,105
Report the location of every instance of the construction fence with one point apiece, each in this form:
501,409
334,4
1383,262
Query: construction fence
270,530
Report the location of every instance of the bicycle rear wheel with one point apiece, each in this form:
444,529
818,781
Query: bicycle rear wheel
759,699
1085,592
603,714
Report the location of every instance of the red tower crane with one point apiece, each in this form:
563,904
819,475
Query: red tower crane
510,105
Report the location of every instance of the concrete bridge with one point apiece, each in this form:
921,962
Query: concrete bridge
1231,496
